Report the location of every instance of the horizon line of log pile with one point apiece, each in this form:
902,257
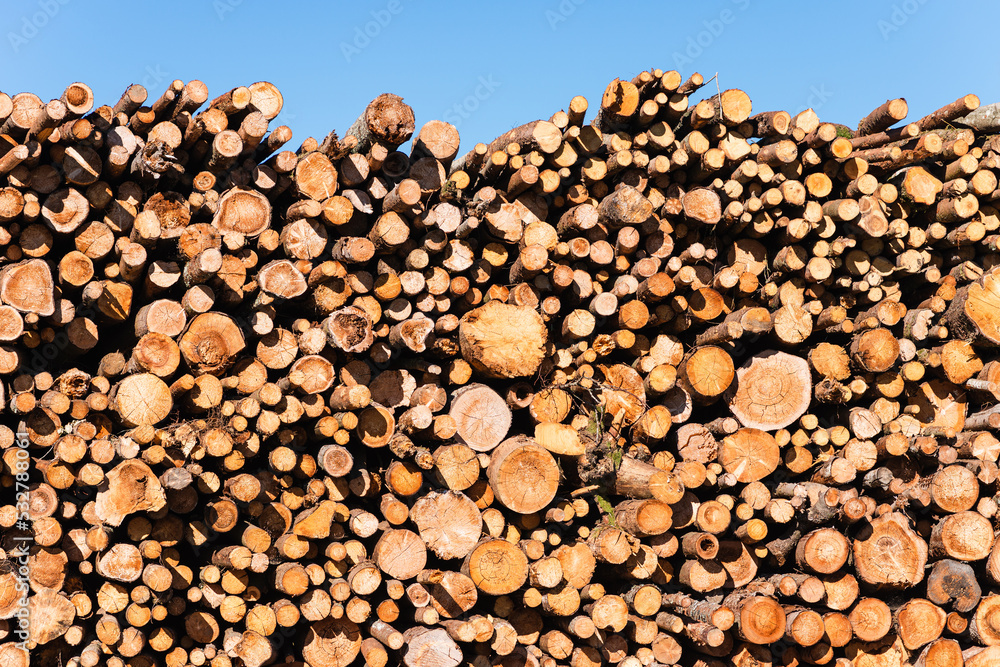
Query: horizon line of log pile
683,384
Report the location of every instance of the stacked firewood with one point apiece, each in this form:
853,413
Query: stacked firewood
681,385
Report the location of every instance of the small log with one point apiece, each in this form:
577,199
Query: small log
349,329
883,117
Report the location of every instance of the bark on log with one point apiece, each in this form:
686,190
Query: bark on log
387,120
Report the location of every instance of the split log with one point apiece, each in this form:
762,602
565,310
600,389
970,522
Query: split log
129,487
970,313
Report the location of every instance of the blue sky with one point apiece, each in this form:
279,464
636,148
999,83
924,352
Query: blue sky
487,67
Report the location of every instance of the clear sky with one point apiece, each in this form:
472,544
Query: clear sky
487,67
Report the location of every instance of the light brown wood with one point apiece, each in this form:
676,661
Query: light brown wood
242,211
750,454
400,553
771,391
142,400
387,120
430,647
449,523
502,340
332,641
481,416
496,567
523,475
920,622
871,619
890,553
210,342
28,287
131,487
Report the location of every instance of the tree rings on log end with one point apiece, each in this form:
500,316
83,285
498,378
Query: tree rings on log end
481,415
333,642
889,553
243,211
503,340
523,475
496,567
771,391
750,454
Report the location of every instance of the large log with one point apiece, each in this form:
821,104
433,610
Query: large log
502,340
771,391
387,120
889,553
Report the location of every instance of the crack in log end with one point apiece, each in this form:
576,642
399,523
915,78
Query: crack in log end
502,340
771,390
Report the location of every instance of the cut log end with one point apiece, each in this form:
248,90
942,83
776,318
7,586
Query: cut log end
481,416
245,212
889,553
772,390
750,454
502,340
523,475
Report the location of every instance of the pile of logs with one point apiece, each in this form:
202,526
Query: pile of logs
682,385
